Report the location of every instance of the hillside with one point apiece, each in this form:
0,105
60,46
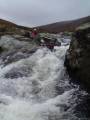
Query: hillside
6,23
64,26
9,27
6,26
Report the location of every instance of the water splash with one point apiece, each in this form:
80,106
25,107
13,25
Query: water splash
41,91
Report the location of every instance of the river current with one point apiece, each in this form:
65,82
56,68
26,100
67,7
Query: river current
37,87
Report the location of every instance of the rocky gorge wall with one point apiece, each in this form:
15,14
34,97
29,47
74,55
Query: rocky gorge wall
78,56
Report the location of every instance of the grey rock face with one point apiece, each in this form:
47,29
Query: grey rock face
78,55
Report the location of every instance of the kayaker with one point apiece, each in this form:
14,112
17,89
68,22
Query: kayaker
34,33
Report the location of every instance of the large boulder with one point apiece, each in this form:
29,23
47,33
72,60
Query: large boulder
78,56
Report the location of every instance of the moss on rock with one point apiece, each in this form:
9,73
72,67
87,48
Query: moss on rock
78,55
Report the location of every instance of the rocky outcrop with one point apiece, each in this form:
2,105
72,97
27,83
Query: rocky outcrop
78,55
15,47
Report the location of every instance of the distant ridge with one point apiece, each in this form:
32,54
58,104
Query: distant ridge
57,27
4,24
64,25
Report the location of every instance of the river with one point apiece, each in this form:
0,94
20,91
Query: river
37,87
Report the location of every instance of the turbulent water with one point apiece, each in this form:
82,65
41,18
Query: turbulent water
37,87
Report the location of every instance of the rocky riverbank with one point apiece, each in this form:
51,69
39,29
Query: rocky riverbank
78,56
15,47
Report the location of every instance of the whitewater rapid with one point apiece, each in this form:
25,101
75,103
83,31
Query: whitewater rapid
38,88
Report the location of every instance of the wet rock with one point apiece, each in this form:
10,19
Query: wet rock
16,55
78,55
1,49
27,34
18,72
13,56
14,48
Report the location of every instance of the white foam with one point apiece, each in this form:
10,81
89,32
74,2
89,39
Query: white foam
25,110
35,97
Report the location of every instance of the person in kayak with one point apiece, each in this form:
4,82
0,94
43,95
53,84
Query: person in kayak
35,36
34,33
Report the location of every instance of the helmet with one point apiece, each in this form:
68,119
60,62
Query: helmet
35,29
